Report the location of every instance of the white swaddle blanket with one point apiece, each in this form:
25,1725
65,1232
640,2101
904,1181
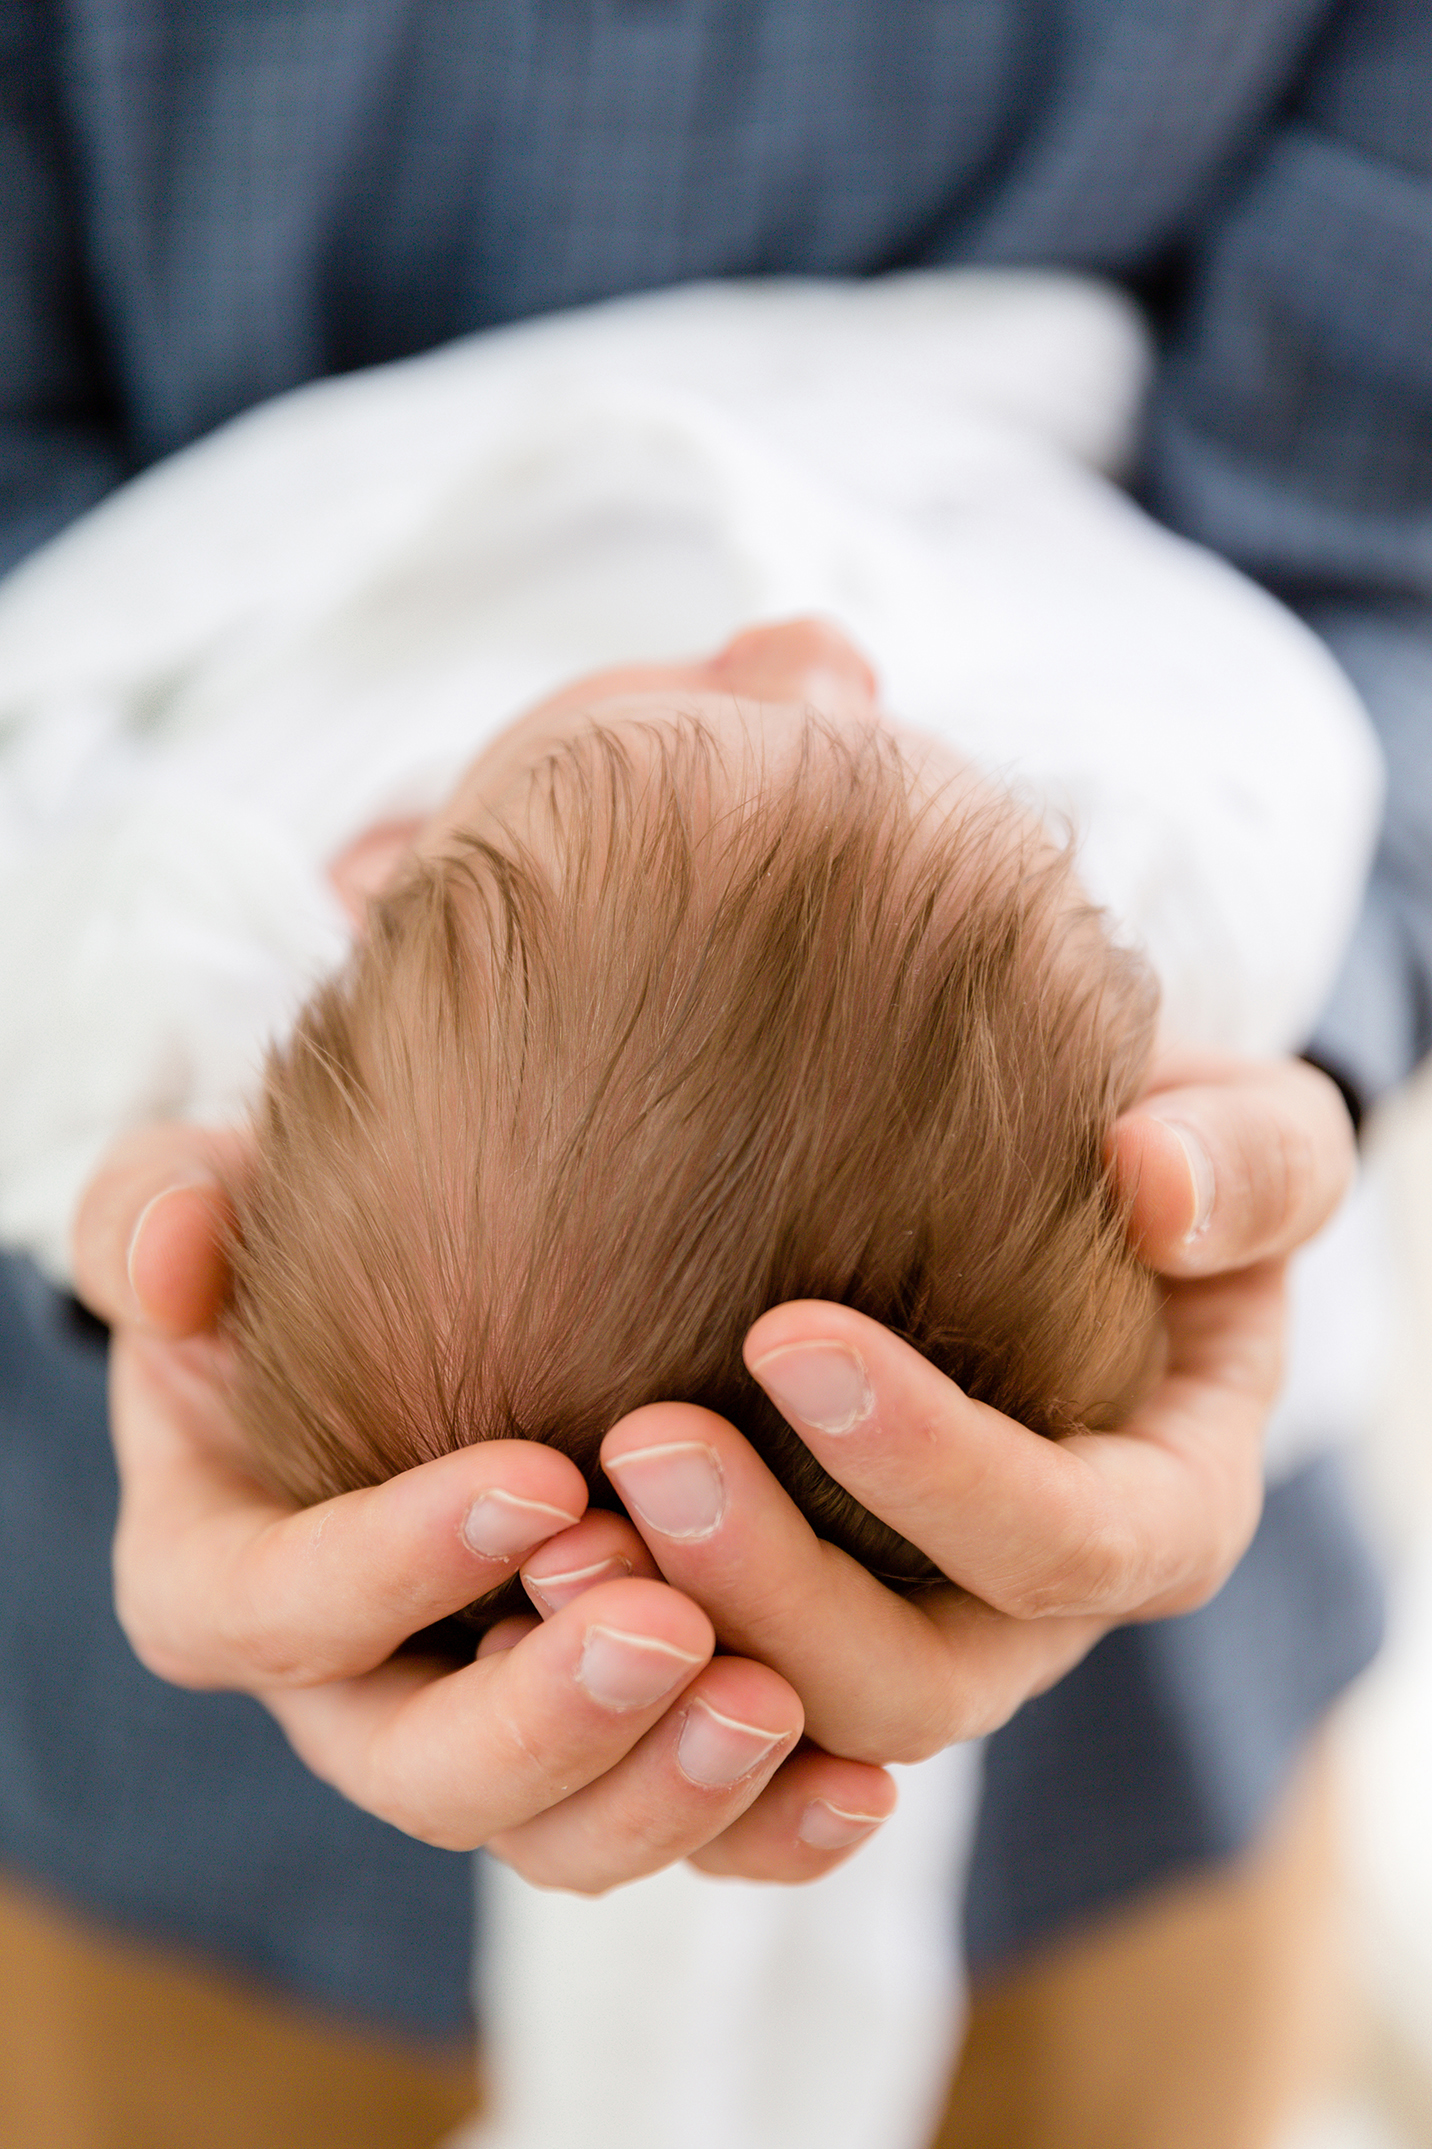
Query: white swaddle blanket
313,619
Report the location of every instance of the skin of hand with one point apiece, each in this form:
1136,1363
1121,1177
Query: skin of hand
600,1738
571,1758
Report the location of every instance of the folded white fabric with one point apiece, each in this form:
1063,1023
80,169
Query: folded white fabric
314,618
687,2013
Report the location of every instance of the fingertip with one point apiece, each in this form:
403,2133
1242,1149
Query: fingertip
174,1263
798,1322
715,1750
815,1813
1165,1174
506,1634
142,1260
823,1386
825,1826
1282,1151
657,1424
601,1548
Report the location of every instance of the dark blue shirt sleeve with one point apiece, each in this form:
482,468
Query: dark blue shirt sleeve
1378,1023
1292,431
59,443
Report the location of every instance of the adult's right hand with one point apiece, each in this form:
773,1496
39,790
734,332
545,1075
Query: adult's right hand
600,1743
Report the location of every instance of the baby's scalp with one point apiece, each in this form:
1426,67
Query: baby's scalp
676,1035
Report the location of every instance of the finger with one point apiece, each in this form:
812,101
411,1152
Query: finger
696,1770
1100,1523
602,1548
874,1671
458,1758
1240,1162
506,1634
813,1814
218,1585
149,1231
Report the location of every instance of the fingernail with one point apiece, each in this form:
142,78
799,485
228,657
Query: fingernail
676,1490
1200,1171
827,1828
166,1193
822,1385
552,1591
630,1671
500,1526
715,1750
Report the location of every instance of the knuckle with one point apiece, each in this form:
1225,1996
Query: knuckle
1027,1596
924,1742
248,1638
1229,1546
411,1820
155,1648
167,1663
590,1885
1191,1597
916,1735
1296,1170
971,1707
390,1793
270,1660
1208,1574
424,1829
1095,1568
1194,1591
549,1874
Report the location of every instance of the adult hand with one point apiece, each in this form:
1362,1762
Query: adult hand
1230,1162
605,1744
1227,1166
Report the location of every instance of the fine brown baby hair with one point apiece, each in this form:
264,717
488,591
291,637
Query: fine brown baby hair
666,1046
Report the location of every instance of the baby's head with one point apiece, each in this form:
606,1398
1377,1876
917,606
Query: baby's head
691,1003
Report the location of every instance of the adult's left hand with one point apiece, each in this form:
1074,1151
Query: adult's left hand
1227,1167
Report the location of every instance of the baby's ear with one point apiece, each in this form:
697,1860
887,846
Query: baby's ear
370,864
